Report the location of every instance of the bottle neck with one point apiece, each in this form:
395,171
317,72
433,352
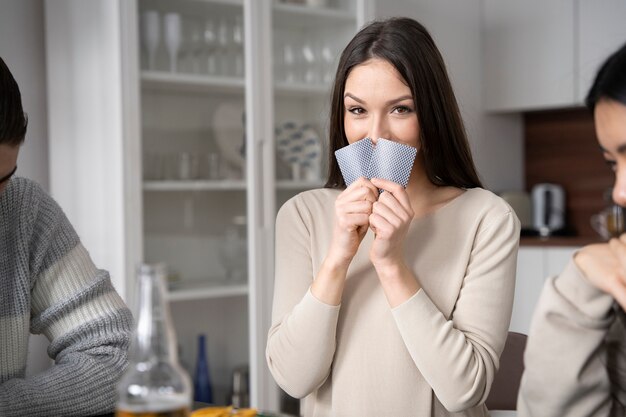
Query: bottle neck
154,339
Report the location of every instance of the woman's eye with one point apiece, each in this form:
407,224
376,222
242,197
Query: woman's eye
356,110
611,164
402,110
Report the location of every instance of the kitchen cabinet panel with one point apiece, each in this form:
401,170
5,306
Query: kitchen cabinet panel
534,266
528,284
529,54
544,55
601,32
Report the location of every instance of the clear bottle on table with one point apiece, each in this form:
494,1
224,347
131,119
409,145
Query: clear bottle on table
154,385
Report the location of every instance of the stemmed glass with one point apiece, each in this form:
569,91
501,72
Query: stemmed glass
172,38
194,43
289,63
327,59
151,30
310,63
222,43
238,46
209,37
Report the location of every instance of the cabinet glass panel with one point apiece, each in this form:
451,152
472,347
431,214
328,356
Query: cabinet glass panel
308,37
194,187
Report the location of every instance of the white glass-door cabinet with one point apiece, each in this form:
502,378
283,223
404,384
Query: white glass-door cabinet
177,129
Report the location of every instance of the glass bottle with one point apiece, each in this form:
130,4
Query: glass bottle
203,391
154,385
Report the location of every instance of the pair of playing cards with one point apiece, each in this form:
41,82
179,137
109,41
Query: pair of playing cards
388,160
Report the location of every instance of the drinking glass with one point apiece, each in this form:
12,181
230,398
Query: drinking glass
610,222
194,46
210,46
150,35
309,63
237,46
172,37
223,44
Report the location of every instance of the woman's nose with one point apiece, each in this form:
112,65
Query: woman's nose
378,129
619,189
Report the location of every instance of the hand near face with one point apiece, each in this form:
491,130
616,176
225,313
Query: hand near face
390,220
604,265
352,211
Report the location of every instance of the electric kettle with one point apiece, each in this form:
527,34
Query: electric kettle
548,208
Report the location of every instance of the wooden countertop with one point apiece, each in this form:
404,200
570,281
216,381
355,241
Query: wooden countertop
558,241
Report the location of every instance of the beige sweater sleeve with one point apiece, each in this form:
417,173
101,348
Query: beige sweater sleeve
565,360
459,356
301,340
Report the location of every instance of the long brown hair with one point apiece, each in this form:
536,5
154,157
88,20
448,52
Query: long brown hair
408,46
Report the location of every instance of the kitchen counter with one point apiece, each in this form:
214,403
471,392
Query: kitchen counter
558,241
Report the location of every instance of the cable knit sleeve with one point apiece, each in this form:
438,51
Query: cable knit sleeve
301,340
459,356
76,307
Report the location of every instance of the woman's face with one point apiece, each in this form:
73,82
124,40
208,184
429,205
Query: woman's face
610,122
378,104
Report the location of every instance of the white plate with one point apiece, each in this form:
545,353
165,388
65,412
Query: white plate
229,132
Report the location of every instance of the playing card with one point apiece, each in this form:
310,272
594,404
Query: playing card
354,159
392,161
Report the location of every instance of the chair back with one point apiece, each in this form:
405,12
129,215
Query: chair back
503,394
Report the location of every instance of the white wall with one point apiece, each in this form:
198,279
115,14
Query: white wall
22,48
496,140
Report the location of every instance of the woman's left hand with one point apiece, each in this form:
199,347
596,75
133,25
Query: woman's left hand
390,220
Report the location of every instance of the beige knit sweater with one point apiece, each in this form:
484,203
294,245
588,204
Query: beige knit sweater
434,355
575,356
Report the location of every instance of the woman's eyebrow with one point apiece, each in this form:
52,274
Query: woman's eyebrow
621,149
399,99
353,97
392,101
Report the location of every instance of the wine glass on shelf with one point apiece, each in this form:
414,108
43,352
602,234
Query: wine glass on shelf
150,35
238,46
327,60
173,37
194,47
309,62
223,46
209,37
289,63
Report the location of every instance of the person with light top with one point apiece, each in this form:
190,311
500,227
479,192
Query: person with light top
49,285
395,303
575,358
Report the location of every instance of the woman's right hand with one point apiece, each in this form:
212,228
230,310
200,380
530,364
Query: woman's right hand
352,210
604,266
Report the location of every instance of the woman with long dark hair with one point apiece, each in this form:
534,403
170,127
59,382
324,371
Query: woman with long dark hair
576,351
395,303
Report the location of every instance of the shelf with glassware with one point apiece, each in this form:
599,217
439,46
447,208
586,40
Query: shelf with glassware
197,83
303,16
224,185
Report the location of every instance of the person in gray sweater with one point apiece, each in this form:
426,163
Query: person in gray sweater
575,358
49,285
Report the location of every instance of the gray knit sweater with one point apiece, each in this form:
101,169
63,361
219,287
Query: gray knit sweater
49,285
